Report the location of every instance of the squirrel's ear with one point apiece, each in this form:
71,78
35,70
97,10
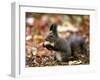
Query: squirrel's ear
53,28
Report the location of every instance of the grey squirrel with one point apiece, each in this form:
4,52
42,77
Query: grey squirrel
65,48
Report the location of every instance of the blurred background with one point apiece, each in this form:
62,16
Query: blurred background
37,27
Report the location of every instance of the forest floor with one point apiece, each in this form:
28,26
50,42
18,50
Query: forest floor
37,61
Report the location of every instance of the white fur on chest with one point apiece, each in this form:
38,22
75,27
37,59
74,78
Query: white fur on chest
58,56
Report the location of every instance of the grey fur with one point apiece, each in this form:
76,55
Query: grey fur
66,47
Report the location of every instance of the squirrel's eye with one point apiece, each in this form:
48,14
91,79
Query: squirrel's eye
50,36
